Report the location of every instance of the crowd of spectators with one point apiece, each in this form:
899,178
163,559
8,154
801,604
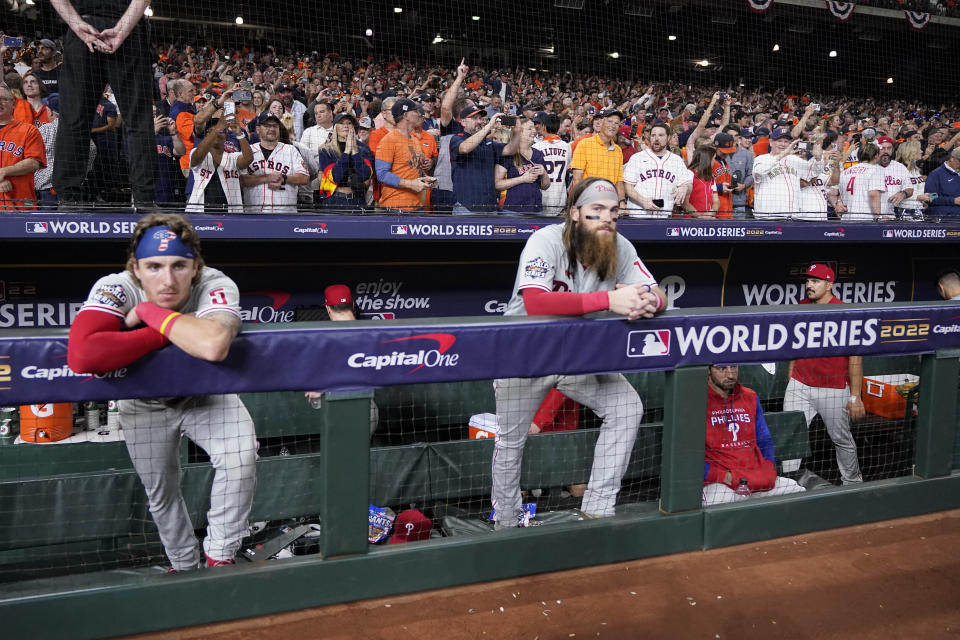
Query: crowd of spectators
949,8
337,134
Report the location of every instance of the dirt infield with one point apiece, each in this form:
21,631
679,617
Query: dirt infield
893,579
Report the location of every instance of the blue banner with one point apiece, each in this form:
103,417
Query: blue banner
340,356
39,226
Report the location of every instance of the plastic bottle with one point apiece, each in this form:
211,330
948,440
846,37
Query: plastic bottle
743,489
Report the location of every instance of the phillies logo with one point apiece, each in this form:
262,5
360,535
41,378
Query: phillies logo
430,358
164,237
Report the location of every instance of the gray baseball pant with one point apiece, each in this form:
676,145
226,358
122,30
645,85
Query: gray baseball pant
831,404
610,396
221,426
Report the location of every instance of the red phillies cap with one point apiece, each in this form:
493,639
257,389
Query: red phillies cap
411,526
337,294
821,271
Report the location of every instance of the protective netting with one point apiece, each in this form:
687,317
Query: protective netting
569,447
842,105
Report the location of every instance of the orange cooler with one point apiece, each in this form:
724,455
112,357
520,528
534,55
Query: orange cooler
46,422
880,397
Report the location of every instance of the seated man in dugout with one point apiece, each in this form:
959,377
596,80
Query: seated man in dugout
739,459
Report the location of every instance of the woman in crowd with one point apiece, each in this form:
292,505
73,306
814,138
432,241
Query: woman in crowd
31,109
703,201
909,155
346,166
523,175
259,102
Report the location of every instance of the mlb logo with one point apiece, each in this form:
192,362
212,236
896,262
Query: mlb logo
398,229
37,227
648,343
386,315
673,231
888,233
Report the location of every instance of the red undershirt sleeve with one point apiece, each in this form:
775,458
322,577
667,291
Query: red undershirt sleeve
563,303
99,344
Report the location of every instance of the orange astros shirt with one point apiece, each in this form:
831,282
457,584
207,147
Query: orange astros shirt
19,141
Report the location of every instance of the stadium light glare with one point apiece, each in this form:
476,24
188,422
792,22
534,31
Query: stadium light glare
776,47
614,54
889,80
671,38
239,20
148,12
833,54
704,63
368,32
437,39
30,3
474,18
398,9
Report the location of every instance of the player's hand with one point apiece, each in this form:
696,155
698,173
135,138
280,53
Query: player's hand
494,121
313,395
533,428
462,69
840,207
898,197
5,185
925,197
633,301
132,319
529,176
855,409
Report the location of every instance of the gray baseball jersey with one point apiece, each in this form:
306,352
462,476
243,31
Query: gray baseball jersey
220,424
117,293
544,265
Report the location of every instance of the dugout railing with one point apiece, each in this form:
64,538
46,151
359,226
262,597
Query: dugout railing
342,473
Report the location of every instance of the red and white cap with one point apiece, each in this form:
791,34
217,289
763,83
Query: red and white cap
337,294
821,271
410,526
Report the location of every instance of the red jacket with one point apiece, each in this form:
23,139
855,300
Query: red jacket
738,441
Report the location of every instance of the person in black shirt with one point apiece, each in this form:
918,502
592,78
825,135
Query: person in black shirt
49,71
107,43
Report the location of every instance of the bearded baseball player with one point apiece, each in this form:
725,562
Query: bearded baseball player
655,178
574,268
167,295
271,180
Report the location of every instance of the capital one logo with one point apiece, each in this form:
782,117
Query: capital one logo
417,357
